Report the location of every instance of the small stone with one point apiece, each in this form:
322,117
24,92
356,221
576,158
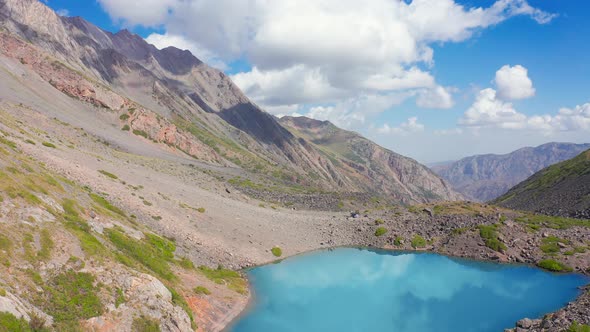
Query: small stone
524,323
561,245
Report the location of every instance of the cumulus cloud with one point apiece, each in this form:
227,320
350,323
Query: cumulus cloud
342,48
63,12
410,126
488,111
165,40
437,97
514,83
355,112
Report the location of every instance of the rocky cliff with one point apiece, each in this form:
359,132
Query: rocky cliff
485,177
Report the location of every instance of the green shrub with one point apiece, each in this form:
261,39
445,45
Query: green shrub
71,296
221,276
398,241
2,292
201,210
379,222
125,128
120,298
202,290
278,252
550,245
186,263
108,174
380,231
49,145
144,324
124,117
418,242
553,265
140,133
28,141
490,236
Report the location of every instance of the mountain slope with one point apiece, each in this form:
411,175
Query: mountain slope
369,164
562,190
485,177
171,99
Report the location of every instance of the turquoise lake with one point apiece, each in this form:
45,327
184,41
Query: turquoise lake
353,290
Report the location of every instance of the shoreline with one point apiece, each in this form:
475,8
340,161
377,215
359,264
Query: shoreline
583,290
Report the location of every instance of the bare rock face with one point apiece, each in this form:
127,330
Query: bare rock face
486,177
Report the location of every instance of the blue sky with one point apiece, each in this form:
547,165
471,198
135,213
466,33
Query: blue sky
417,79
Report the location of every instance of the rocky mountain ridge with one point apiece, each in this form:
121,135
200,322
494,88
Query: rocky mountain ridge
485,177
169,96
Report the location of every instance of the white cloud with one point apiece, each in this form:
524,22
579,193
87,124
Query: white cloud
489,111
355,112
165,40
514,83
410,126
437,97
343,48
63,12
140,12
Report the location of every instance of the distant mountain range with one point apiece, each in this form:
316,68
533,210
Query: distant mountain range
176,101
562,190
485,177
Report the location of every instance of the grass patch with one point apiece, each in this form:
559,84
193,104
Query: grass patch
277,252
125,128
186,263
553,265
201,210
144,324
8,143
379,222
460,230
108,174
120,298
200,290
535,222
49,145
153,252
101,201
550,245
181,302
124,117
79,227
398,241
47,245
71,296
380,231
9,323
577,327
232,279
489,233
418,242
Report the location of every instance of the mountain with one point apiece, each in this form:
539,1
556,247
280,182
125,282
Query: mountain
175,101
370,165
485,177
562,189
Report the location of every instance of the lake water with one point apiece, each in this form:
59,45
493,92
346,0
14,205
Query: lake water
351,289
